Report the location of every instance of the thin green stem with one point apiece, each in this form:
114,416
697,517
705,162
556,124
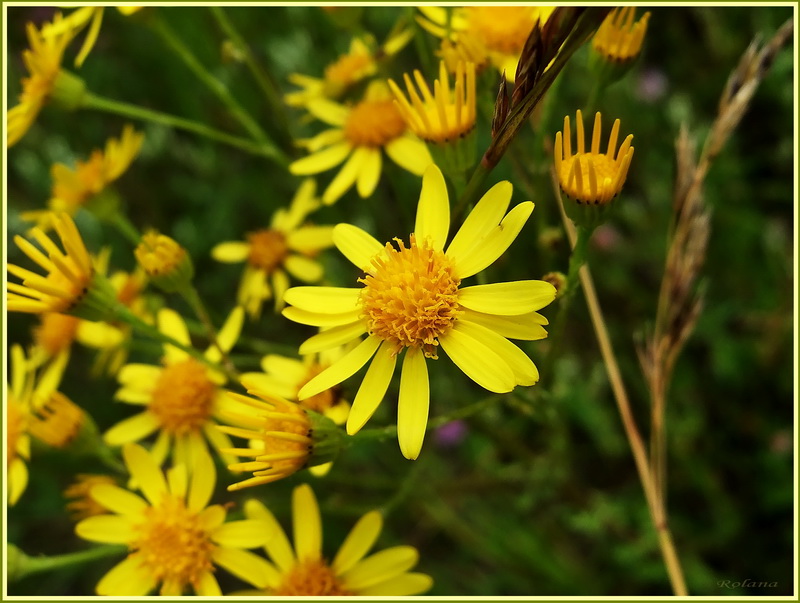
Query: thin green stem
21,565
125,227
262,77
107,105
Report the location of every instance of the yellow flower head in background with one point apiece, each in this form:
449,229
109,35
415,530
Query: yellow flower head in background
166,263
81,505
43,62
181,398
288,245
619,39
358,135
54,334
466,49
412,299
501,30
302,570
69,272
591,177
73,189
57,421
445,115
175,539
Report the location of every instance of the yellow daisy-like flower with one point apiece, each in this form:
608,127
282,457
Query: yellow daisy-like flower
81,505
466,49
73,189
501,30
412,298
445,115
302,570
43,62
591,177
54,334
288,245
359,134
619,39
174,538
69,272
182,398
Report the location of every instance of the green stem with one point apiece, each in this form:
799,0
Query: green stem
125,227
472,191
100,103
264,80
21,565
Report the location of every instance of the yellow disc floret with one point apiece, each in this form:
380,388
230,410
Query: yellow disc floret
410,296
268,249
183,396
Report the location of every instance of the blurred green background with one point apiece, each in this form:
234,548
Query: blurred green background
521,499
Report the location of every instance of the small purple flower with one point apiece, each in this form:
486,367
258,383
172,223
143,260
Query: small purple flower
451,434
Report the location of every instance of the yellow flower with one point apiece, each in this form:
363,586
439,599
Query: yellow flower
303,571
288,245
359,63
359,134
69,273
43,62
501,30
81,505
591,177
284,437
175,539
444,116
412,298
466,49
166,263
73,189
619,39
54,334
181,398
57,421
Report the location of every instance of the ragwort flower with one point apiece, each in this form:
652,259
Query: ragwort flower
175,539
288,245
619,39
413,298
301,570
358,135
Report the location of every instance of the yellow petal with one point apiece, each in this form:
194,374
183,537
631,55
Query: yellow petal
507,299
142,376
369,173
380,567
17,480
310,239
328,111
249,567
204,477
404,585
307,524
342,369
129,578
231,252
333,337
525,372
208,586
118,500
486,215
111,529
410,153
243,534
228,334
492,246
303,268
145,472
290,370
278,547
346,177
321,161
325,300
527,327
132,429
170,323
478,362
412,408
358,542
318,319
356,245
433,210
373,388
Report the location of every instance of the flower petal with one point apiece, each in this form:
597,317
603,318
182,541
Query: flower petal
170,323
303,268
404,585
525,371
118,500
306,523
318,319
373,388
328,111
358,542
278,547
478,362
410,153
381,566
527,327
346,177
208,586
140,376
356,245
128,578
333,337
324,300
412,408
231,252
243,534
492,246
342,369
507,299
321,161
369,174
145,472
309,239
433,210
111,529
486,215
132,429
204,478
248,566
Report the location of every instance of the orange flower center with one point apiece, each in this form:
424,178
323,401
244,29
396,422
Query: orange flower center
268,249
183,396
374,123
172,544
503,29
311,577
56,332
410,297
